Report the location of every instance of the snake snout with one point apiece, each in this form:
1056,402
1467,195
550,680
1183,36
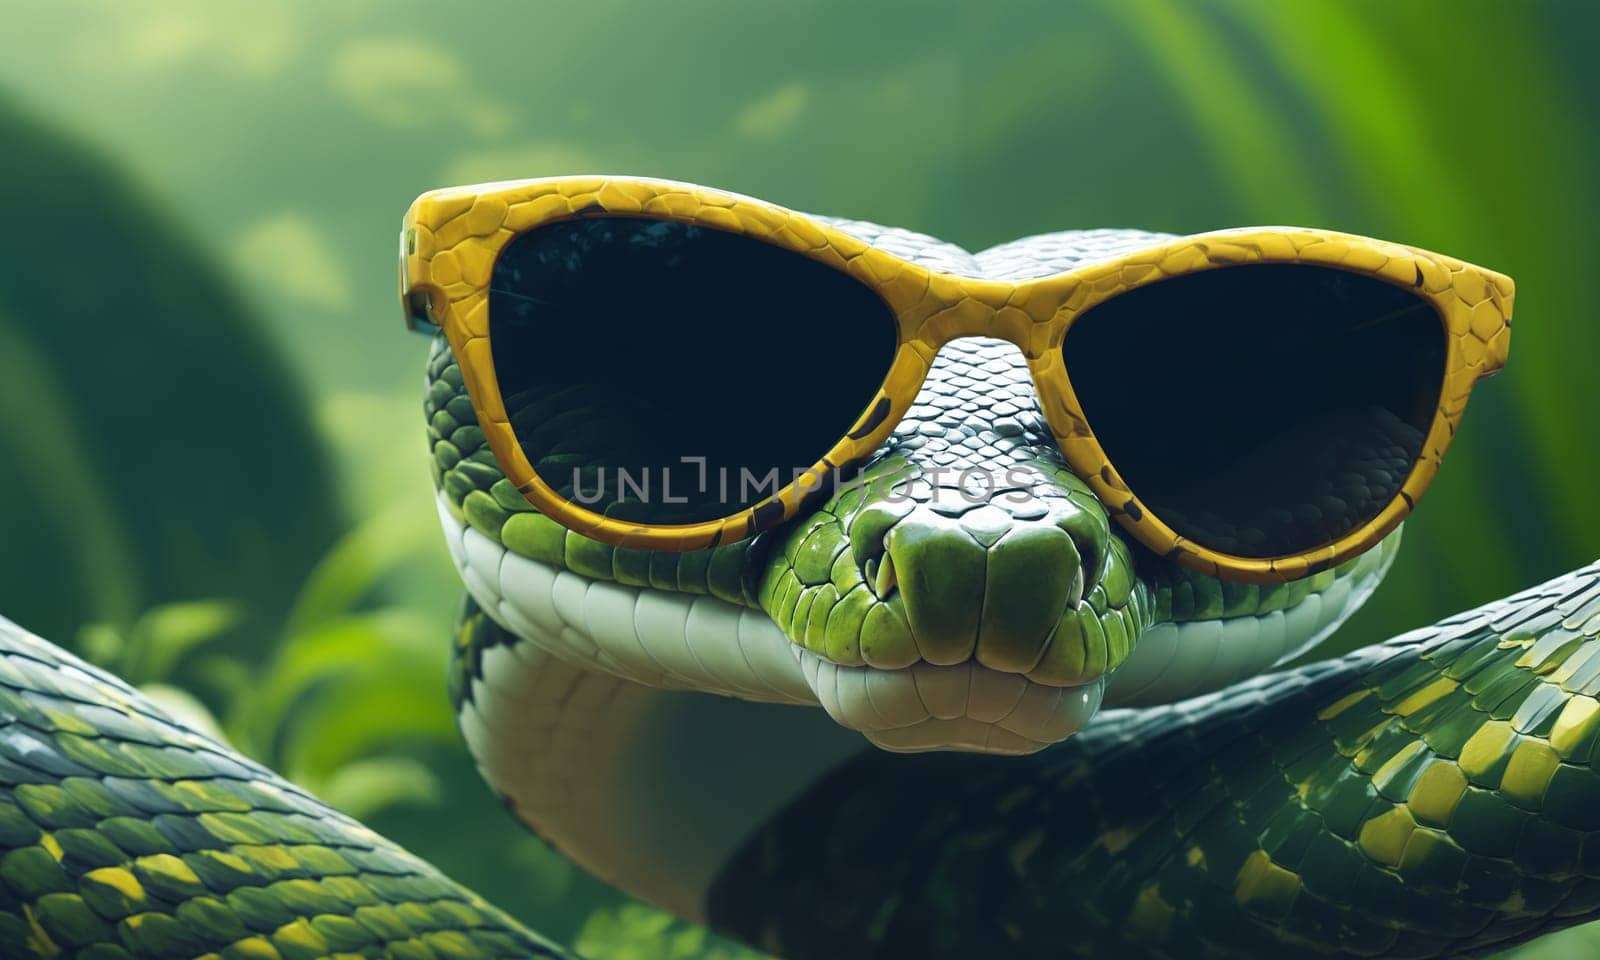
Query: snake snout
952,623
989,581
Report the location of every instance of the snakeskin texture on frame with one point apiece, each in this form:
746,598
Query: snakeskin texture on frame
451,237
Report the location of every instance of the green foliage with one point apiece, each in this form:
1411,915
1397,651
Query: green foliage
152,447
363,788
351,704
637,932
330,699
151,649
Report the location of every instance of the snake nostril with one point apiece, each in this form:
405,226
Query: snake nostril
880,574
1076,588
1088,535
869,530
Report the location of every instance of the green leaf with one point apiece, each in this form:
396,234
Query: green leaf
358,563
364,788
358,644
635,931
164,635
359,713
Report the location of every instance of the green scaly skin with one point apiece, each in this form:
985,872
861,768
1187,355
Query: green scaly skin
124,834
1431,796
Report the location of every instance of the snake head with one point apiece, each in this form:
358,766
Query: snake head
963,590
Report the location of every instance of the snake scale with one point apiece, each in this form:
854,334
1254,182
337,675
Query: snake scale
1145,789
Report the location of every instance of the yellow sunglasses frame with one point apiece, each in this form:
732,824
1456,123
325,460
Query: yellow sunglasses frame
451,238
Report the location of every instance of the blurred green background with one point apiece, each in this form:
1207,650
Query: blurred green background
211,448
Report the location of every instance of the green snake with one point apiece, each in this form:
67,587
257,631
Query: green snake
1139,788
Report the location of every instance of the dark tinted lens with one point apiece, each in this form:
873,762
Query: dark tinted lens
667,373
1261,410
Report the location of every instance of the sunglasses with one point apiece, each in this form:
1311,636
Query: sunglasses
671,367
